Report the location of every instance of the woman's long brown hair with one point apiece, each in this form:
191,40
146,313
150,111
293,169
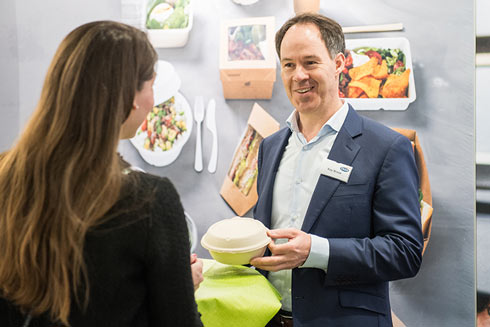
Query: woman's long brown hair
64,174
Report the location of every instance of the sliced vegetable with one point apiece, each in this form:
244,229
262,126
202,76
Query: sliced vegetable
163,126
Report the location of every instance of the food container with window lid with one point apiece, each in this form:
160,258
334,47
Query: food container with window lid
236,241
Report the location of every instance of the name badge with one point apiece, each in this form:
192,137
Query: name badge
336,170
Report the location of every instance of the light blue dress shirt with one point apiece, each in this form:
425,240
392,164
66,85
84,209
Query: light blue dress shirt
295,182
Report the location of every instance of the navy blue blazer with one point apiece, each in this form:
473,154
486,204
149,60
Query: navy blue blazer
372,223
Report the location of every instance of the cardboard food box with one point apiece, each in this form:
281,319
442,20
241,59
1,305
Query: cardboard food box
239,188
426,203
247,58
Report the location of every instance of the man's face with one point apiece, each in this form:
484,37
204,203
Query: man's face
483,318
309,75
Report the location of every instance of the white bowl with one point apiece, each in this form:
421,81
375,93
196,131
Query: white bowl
158,157
245,2
167,82
172,37
236,241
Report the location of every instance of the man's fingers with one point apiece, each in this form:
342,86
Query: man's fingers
283,233
273,263
266,261
280,248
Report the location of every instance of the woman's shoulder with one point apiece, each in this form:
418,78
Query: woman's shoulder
146,185
143,198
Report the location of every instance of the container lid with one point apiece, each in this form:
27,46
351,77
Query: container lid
235,235
167,82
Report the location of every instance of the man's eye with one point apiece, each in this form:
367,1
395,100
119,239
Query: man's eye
288,65
310,63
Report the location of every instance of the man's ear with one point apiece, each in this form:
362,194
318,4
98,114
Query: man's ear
339,63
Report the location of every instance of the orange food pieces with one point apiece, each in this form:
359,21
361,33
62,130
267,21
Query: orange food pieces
366,69
354,92
372,79
381,71
369,85
396,86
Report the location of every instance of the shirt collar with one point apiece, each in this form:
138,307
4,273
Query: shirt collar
334,123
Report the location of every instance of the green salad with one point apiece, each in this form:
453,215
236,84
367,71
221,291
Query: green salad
395,58
167,14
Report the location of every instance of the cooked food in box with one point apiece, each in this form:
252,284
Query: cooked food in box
374,73
165,14
246,42
163,126
244,169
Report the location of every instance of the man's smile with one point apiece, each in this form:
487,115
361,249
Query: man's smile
304,90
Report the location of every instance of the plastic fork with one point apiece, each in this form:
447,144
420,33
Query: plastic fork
198,117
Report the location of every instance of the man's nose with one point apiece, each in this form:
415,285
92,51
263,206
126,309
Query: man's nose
300,74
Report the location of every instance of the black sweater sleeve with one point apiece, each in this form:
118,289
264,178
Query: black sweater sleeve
167,258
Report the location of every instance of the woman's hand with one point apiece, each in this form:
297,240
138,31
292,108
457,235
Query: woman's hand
196,268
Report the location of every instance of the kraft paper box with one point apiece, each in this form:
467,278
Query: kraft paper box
426,203
239,188
247,58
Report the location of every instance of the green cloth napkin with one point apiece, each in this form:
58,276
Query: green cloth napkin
235,296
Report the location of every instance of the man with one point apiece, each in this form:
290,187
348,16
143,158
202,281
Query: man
339,192
482,309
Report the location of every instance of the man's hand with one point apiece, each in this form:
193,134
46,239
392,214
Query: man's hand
196,268
288,255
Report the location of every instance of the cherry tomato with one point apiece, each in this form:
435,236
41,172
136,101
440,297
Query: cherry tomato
375,54
348,61
398,64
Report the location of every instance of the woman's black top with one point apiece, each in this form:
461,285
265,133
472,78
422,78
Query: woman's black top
138,264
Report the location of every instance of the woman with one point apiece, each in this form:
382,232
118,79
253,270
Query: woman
82,241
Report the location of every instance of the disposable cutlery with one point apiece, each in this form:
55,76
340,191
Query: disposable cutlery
211,125
198,117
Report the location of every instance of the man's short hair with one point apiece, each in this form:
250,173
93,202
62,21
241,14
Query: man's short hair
330,31
482,302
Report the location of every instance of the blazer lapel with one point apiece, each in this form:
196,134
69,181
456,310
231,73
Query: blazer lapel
270,164
344,150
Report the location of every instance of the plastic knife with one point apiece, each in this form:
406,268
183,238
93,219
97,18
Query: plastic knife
211,125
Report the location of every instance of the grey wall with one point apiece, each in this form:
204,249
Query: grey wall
483,253
482,83
40,26
482,109
9,77
482,112
442,45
